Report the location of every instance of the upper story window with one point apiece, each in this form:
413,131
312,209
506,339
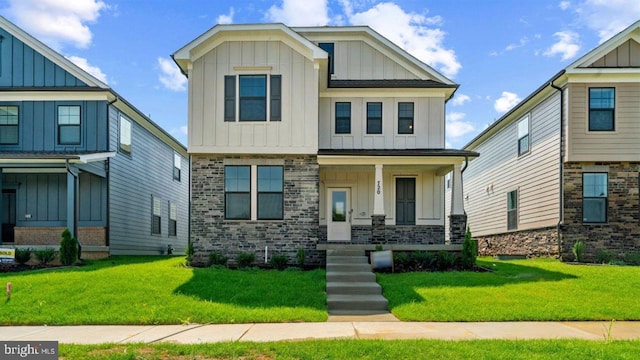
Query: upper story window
237,192
9,125
177,160
602,103
374,118
405,118
523,135
594,197
512,210
328,47
270,194
69,125
125,135
156,217
343,118
252,92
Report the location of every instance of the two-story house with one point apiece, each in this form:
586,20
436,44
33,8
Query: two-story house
563,165
315,135
75,154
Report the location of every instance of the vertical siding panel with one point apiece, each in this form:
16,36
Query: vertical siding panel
38,70
41,197
60,76
17,71
27,66
49,73
49,135
96,198
62,198
31,110
196,99
623,54
91,126
52,196
211,85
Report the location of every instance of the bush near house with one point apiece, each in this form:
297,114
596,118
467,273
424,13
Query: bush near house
45,255
68,248
245,259
23,255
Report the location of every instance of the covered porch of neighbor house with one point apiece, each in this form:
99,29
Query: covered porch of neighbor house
393,198
44,193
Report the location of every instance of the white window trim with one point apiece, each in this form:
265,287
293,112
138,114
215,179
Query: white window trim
526,118
253,188
121,120
253,70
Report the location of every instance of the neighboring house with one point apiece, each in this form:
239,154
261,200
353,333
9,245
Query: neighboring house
303,137
563,165
74,154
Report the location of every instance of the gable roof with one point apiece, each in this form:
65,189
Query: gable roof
217,34
91,81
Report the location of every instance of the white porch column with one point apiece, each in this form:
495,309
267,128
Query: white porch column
457,203
378,192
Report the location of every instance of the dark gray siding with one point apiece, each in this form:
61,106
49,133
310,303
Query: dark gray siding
22,66
133,179
43,198
38,130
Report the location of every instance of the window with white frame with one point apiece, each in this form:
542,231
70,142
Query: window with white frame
602,104
523,135
177,160
237,192
270,186
343,118
405,118
69,125
257,97
374,118
512,210
156,217
254,192
125,135
173,219
594,197
9,125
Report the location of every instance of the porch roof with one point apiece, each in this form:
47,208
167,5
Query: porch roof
405,157
40,157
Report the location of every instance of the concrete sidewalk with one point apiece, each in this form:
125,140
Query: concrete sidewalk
196,334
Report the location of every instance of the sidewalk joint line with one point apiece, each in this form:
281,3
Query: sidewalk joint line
176,333
245,332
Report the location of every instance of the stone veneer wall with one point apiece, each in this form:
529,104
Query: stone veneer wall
299,229
394,234
535,242
457,228
51,235
621,233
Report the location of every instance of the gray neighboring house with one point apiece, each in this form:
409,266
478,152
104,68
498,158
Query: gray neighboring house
563,165
302,138
75,154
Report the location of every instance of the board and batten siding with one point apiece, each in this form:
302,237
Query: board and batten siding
133,179
297,132
428,123
22,66
429,193
357,60
499,170
619,145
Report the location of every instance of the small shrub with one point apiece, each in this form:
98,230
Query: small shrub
245,259
217,259
605,257
68,248
424,260
300,256
23,255
45,255
279,261
578,251
632,258
401,260
378,247
445,260
469,251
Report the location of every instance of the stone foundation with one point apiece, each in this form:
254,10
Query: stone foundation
378,229
457,228
393,234
531,243
51,235
621,233
211,232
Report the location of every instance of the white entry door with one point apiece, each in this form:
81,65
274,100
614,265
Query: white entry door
339,214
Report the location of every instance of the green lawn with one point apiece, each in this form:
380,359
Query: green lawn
160,290
364,349
542,289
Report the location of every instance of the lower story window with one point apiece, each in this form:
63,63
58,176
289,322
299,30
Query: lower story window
270,181
156,218
237,192
512,210
594,197
173,219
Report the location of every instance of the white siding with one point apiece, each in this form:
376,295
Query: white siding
428,124
298,130
357,60
499,169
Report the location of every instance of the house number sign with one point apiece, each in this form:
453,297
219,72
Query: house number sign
378,188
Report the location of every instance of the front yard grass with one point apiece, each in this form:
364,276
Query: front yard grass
538,290
160,290
363,349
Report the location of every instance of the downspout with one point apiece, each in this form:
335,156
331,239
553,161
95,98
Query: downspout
108,166
560,166
75,207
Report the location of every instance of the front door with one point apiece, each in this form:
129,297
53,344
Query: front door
339,214
405,201
8,215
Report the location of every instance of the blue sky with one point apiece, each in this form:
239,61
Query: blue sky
499,51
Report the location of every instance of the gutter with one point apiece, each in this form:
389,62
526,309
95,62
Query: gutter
560,168
108,167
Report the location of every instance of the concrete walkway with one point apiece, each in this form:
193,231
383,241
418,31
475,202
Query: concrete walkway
336,329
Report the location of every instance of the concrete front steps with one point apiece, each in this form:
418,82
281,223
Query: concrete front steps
351,285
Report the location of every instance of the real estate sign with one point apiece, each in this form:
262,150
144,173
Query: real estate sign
7,255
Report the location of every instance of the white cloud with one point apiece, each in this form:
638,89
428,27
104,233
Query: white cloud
183,130
410,31
84,65
608,17
57,22
567,46
507,101
564,5
170,75
300,13
455,127
226,18
460,99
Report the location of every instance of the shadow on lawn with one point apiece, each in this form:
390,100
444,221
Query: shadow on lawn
254,288
403,286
